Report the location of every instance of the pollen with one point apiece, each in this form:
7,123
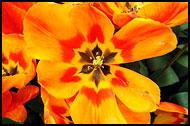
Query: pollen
138,5
98,61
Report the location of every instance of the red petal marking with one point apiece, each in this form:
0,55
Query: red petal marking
68,46
120,80
18,57
125,46
59,109
95,32
177,115
96,98
68,75
6,61
71,99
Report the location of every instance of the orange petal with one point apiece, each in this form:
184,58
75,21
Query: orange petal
24,95
46,29
123,18
169,13
133,117
6,102
18,114
157,38
55,110
59,79
137,92
93,23
95,107
170,107
31,72
50,117
24,5
12,18
59,102
17,80
14,52
170,118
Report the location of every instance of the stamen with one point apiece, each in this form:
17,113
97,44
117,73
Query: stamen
98,61
137,6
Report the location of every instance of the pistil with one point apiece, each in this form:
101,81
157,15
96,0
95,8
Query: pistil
98,61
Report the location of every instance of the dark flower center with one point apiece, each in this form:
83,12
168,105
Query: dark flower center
97,61
13,71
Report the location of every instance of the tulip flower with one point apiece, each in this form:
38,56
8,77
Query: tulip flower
169,113
78,53
13,103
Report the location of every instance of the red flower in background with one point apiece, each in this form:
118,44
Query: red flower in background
13,103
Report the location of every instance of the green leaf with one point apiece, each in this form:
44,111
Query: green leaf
9,121
180,70
184,34
183,26
183,60
158,62
180,99
143,69
169,77
184,87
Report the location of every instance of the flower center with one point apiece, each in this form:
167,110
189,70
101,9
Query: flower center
133,6
98,61
12,71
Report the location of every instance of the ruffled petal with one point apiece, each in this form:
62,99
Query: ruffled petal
144,38
137,92
169,13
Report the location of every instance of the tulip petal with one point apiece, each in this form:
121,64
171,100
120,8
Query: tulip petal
55,110
19,114
12,18
169,13
92,23
137,92
59,79
169,118
6,102
24,95
144,38
133,117
95,107
24,5
170,107
46,29
14,52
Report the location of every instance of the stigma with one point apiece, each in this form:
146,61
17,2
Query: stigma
98,61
